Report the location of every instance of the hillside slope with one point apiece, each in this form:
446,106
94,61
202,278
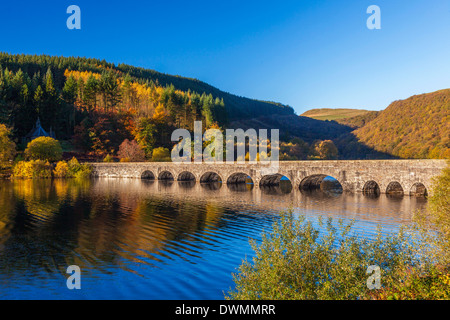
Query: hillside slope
237,107
333,114
417,127
360,120
310,130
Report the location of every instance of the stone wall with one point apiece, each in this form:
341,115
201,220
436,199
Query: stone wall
353,175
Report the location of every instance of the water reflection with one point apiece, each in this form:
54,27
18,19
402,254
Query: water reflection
153,239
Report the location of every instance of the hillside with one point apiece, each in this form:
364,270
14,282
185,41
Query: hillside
360,120
237,107
417,127
333,114
311,130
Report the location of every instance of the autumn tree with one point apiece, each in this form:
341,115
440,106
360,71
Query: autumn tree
161,155
131,151
326,150
7,146
44,148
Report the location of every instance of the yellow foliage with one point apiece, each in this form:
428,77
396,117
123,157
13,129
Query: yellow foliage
32,169
81,74
61,170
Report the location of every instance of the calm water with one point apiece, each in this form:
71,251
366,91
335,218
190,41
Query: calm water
137,239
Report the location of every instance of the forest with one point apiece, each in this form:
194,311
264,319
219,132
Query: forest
94,107
417,127
97,110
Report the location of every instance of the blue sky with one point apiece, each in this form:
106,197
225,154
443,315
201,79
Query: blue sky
308,54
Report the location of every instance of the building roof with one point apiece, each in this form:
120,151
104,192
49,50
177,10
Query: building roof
37,131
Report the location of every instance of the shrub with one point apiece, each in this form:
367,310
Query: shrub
161,155
108,158
84,172
124,160
72,169
32,169
131,150
74,166
61,170
44,148
296,261
432,285
326,150
439,204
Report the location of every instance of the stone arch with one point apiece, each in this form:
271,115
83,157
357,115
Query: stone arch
371,187
148,175
320,181
239,178
210,176
394,188
271,180
165,175
186,176
275,184
418,189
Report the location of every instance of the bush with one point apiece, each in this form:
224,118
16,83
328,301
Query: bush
61,170
439,204
84,172
108,158
295,261
124,160
44,148
72,169
32,169
131,150
432,285
326,150
161,155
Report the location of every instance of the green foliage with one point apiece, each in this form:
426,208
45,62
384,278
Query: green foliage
44,148
7,146
32,169
295,261
161,155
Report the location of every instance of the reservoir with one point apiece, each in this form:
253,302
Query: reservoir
141,239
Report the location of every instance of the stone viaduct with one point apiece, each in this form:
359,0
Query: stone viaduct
411,177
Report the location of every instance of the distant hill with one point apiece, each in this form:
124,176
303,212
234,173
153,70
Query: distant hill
334,114
360,120
417,127
291,126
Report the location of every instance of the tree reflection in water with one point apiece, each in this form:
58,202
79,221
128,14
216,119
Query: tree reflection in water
146,237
